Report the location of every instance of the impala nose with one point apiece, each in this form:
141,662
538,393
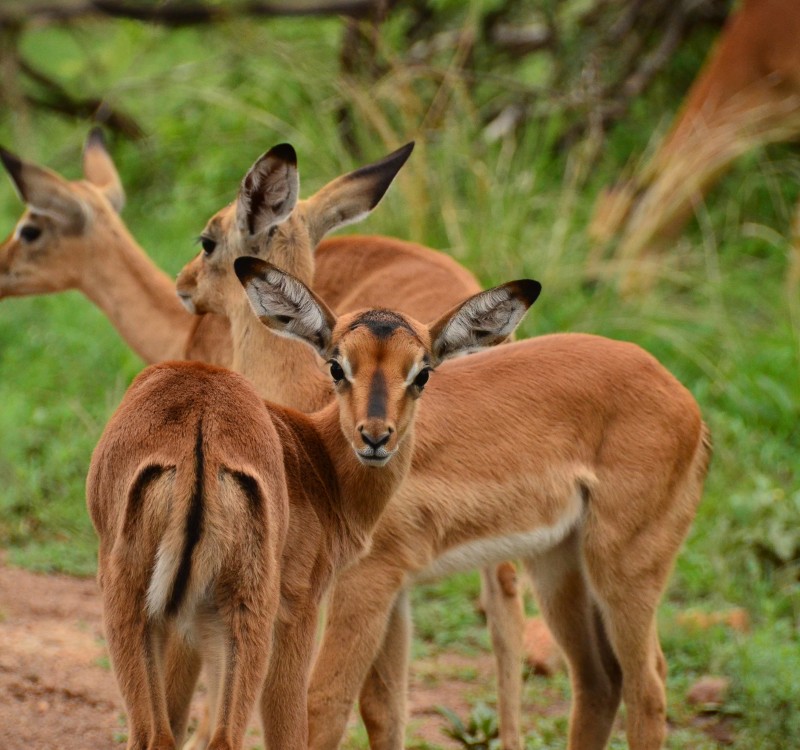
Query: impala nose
374,439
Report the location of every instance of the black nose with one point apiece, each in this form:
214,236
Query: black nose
375,442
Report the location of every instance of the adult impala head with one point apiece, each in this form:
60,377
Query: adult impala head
380,360
268,221
45,250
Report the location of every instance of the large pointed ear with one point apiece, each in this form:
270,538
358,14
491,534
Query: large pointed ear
269,191
45,192
286,305
99,169
350,198
485,319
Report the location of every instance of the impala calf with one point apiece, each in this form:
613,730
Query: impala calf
269,221
72,237
222,520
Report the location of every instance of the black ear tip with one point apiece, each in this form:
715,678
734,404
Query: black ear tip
96,137
285,152
12,163
402,154
246,267
527,289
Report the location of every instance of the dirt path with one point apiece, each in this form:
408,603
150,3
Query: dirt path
56,688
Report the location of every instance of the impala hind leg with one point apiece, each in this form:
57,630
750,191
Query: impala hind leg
284,707
181,670
502,602
246,653
569,611
382,701
135,649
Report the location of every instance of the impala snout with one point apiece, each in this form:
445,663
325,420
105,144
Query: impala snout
186,286
378,442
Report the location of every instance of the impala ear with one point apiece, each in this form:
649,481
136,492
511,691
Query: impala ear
99,169
350,198
286,305
269,191
485,319
45,192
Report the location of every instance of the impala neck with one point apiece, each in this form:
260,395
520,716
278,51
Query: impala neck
364,490
283,371
138,298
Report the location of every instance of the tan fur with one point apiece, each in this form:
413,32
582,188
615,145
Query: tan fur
746,95
350,273
222,521
579,453
98,256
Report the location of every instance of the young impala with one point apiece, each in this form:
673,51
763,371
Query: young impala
267,220
222,520
582,455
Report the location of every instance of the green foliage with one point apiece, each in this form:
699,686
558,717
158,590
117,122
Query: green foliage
480,732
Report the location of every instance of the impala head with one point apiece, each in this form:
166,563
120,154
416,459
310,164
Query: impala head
380,360
55,234
268,221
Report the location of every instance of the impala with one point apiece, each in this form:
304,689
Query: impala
72,237
582,455
746,95
222,519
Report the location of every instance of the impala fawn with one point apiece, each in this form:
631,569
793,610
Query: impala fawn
267,220
582,455
222,520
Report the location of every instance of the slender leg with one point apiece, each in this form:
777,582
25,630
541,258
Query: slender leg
181,669
358,615
383,695
247,653
135,650
284,710
571,615
505,616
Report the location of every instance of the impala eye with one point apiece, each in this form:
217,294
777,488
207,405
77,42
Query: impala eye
422,378
29,233
337,373
208,245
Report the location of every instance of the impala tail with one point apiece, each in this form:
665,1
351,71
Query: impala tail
205,506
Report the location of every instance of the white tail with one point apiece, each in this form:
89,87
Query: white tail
222,520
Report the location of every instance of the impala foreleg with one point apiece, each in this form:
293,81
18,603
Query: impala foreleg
382,701
358,615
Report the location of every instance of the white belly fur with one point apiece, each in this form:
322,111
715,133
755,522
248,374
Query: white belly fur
492,550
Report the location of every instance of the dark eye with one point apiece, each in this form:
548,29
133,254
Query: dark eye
29,233
422,378
208,245
337,373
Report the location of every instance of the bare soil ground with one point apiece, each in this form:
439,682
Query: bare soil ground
57,689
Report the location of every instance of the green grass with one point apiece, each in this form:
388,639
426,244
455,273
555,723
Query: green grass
720,318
